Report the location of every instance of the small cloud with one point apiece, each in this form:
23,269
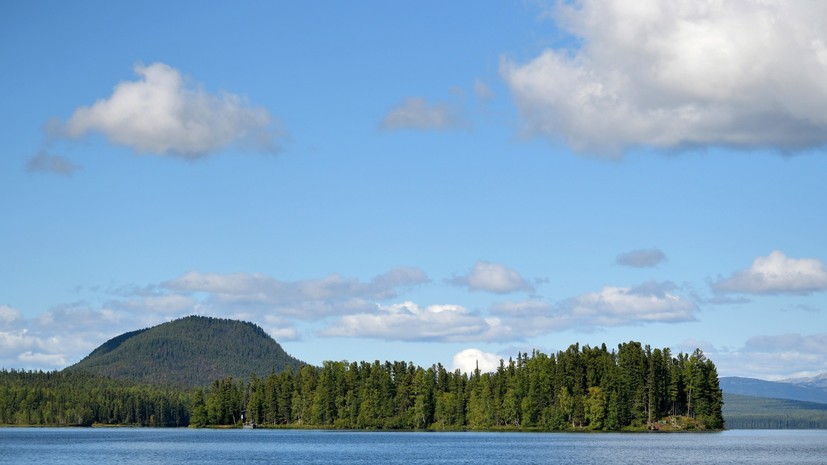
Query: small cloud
417,113
468,360
9,315
777,274
641,258
43,162
162,114
493,277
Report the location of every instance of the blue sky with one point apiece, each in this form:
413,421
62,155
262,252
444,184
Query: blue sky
440,182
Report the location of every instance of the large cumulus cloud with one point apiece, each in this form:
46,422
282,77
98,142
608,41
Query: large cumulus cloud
683,73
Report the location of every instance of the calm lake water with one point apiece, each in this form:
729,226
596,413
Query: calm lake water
52,446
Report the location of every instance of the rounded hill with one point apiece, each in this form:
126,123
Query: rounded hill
191,351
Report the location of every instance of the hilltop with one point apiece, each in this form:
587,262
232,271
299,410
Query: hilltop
192,351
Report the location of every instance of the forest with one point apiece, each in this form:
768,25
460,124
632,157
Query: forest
748,412
582,388
69,398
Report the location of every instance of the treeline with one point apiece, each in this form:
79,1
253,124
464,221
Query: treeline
634,387
80,399
580,388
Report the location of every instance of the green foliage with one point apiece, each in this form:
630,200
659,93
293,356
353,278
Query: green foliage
189,352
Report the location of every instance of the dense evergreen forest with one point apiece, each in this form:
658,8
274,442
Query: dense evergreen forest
80,399
582,388
748,412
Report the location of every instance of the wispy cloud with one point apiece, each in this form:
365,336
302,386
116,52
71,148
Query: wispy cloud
417,113
679,74
641,258
308,299
777,274
43,162
163,113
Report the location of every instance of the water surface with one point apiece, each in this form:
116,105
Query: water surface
70,446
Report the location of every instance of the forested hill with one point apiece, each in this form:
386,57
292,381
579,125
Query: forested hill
189,352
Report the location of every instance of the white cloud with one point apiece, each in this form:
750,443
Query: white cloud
493,277
650,302
777,274
641,258
161,113
518,320
680,73
469,359
417,113
36,346
9,315
618,306
410,322
281,329
283,334
43,162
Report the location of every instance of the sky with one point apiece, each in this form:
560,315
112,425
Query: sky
433,182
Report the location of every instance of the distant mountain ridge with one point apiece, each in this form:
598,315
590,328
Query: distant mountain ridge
801,389
819,381
188,352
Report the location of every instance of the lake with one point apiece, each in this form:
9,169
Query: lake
70,446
